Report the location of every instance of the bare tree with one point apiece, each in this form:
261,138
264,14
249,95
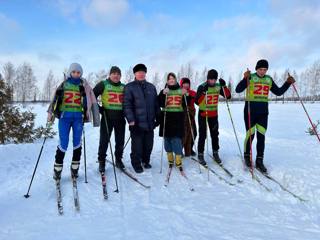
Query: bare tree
189,72
25,83
203,76
9,77
129,76
49,86
156,81
195,82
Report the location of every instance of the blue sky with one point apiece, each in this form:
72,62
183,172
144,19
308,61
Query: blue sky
227,35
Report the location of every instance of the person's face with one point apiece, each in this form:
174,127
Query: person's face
212,81
186,86
75,74
140,75
262,71
171,81
115,77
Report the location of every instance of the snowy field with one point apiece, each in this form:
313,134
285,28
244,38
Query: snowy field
214,210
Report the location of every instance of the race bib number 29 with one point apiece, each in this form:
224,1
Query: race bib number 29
261,89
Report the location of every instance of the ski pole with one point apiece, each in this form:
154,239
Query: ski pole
35,168
207,123
249,124
305,110
191,129
109,137
127,142
233,126
164,130
85,156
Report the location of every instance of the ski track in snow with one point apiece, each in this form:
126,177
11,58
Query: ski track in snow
214,210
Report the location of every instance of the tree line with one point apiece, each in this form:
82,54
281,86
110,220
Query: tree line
23,84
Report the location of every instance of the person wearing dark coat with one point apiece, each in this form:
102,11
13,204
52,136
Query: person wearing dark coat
172,102
258,85
141,109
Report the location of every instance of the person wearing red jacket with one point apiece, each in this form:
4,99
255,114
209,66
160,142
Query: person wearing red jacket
188,139
208,98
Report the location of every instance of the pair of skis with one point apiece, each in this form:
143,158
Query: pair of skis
183,175
75,195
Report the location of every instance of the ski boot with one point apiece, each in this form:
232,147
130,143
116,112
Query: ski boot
58,164
178,159
216,157
102,166
260,166
201,159
74,168
119,164
170,159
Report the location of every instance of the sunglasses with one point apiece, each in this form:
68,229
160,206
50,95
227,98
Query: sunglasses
77,72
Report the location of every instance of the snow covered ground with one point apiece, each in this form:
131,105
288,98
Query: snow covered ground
213,211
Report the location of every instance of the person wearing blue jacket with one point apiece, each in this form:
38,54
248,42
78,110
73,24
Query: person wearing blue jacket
69,106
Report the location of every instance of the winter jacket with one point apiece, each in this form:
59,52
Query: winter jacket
141,104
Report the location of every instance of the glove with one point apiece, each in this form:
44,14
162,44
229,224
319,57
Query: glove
184,91
166,90
222,82
290,80
247,74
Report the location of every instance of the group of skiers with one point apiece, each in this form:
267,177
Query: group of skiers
173,109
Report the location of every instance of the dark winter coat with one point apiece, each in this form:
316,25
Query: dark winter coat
141,104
